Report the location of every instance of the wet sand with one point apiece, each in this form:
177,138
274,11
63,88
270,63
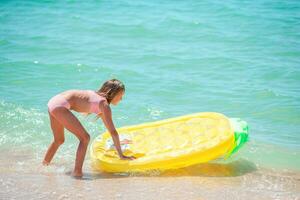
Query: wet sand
22,177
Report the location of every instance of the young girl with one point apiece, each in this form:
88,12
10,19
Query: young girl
86,101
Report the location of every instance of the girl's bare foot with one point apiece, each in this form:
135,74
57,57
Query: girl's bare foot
76,174
45,163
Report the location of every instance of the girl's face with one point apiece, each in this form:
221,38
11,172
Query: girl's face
117,98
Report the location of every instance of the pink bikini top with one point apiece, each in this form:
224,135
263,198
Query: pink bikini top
94,100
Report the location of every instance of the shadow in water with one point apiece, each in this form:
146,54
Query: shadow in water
232,169
213,169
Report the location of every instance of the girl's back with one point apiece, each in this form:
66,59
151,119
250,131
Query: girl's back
83,100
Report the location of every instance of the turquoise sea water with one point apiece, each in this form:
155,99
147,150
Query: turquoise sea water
239,58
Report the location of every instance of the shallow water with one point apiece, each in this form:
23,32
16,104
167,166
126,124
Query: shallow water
239,179
237,58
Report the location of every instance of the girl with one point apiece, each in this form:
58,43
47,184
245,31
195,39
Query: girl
87,101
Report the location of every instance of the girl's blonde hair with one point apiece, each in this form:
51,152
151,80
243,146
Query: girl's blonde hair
111,88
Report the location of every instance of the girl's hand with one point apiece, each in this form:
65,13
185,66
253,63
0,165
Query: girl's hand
122,157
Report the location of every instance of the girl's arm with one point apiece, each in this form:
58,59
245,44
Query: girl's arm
108,122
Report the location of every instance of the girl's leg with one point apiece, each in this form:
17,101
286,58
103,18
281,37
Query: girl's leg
58,133
70,122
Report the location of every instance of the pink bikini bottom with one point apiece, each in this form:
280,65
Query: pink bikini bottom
58,101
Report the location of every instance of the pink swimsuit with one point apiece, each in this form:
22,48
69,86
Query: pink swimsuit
94,102
60,101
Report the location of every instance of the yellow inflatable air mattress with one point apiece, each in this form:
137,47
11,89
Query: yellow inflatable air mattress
170,143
